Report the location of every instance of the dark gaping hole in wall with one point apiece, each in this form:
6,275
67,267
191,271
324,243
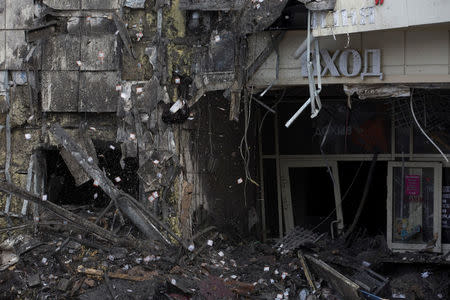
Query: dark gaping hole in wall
293,17
373,216
61,188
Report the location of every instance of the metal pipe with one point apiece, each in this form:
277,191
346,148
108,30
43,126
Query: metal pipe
8,144
295,116
332,228
309,67
264,105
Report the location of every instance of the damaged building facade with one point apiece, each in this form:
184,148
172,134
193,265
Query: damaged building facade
165,120
383,91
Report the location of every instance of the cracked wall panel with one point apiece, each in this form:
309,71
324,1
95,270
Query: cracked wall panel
59,91
98,91
2,49
2,14
63,4
61,53
19,14
99,53
16,49
100,4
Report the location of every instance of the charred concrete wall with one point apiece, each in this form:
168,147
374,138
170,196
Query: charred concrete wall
116,71
215,167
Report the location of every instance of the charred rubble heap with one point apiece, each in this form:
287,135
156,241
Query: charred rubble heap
122,142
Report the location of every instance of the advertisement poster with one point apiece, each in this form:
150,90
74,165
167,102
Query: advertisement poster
412,185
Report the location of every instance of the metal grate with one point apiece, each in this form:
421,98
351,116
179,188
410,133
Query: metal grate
431,111
296,238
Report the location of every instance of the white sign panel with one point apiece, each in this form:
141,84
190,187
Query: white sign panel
351,16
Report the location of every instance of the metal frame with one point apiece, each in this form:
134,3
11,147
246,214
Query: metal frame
437,208
285,165
334,158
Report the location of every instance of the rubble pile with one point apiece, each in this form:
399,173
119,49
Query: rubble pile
58,262
73,265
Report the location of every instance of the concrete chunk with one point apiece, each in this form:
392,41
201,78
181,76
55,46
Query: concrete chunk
63,284
34,280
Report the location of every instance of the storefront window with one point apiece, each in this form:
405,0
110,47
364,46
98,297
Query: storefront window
413,196
363,129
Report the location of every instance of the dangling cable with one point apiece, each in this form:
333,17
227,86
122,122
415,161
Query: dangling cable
423,131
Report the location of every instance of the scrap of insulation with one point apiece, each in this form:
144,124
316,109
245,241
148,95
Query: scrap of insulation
27,136
176,106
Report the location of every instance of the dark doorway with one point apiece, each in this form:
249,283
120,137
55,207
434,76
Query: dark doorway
312,197
353,177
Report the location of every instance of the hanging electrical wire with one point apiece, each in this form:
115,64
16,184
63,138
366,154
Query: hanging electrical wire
421,129
244,146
